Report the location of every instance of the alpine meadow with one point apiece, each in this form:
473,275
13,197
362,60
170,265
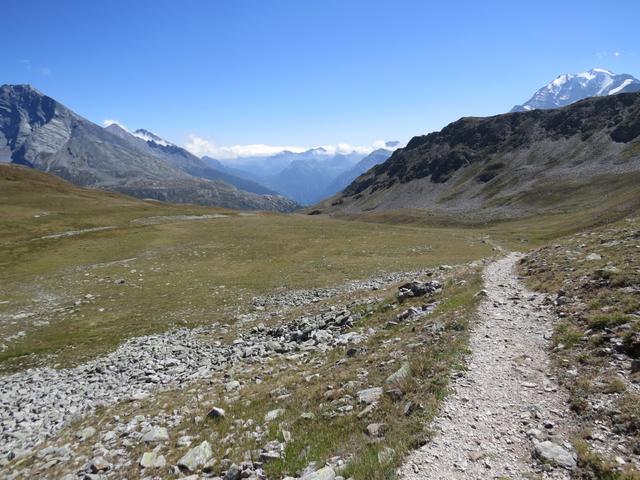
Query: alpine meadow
317,240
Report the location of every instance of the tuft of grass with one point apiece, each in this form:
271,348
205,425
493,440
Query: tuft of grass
593,466
568,335
601,321
629,416
614,384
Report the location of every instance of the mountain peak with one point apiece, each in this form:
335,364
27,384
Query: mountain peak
568,88
114,127
21,86
601,70
148,136
318,150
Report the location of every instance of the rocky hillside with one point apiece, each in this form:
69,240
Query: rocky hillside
345,178
511,165
39,132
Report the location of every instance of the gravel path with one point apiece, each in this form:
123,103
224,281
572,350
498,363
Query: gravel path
506,408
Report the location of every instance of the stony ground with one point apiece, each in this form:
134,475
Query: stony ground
506,408
40,403
592,280
345,364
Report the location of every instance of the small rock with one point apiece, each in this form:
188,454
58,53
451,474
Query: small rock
402,373
326,473
273,414
152,460
232,385
270,455
156,434
86,433
196,457
99,464
216,412
550,452
376,430
233,473
184,441
386,455
370,395
535,433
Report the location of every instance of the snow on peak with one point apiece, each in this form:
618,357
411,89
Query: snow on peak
148,136
571,87
622,86
602,70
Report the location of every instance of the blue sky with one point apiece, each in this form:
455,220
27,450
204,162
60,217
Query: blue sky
305,73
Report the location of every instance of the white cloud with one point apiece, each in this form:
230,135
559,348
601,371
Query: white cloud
110,121
201,146
616,54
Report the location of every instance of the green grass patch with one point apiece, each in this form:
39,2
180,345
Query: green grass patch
610,320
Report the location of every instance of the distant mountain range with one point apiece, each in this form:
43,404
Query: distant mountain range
571,87
512,165
307,177
184,160
41,133
490,159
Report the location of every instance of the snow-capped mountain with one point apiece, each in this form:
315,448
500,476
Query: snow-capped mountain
571,87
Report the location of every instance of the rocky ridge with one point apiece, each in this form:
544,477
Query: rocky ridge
510,165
